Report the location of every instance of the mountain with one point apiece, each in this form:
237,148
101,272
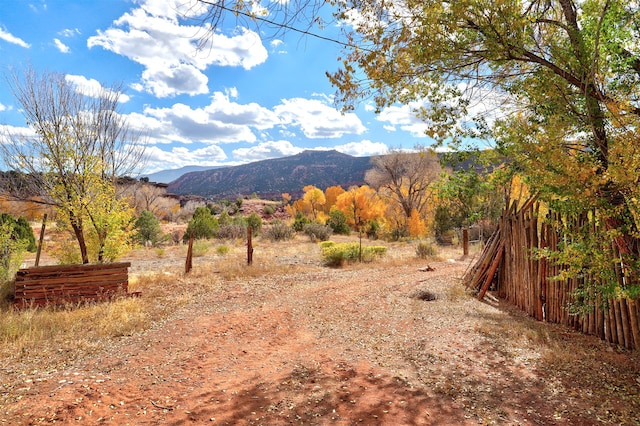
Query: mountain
270,178
166,176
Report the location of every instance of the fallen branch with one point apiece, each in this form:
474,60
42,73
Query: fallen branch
161,407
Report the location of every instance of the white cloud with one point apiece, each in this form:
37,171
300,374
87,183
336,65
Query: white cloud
485,103
266,150
317,119
154,36
225,121
8,130
158,159
91,87
364,148
488,104
403,117
175,79
222,121
10,38
61,46
3,107
69,32
277,46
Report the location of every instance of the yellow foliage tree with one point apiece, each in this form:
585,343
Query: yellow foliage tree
315,198
331,194
360,205
107,219
417,225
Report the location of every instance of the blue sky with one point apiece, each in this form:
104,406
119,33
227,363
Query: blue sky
249,96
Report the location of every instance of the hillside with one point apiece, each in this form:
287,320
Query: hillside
270,178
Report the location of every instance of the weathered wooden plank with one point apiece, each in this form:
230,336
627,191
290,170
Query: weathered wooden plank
69,274
73,282
59,284
69,268
64,291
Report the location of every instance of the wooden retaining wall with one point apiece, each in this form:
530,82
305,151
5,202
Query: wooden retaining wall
507,266
59,284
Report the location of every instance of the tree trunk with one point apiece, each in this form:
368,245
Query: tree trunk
82,244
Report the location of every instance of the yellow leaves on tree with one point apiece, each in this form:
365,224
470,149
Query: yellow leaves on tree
360,205
105,219
331,194
315,199
417,225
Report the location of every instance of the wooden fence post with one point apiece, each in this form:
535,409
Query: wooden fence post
465,242
44,225
189,263
249,246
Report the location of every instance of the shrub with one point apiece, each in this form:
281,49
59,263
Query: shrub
65,250
426,249
333,255
224,218
338,222
336,255
279,231
200,248
300,221
202,225
269,210
232,231
317,231
147,228
20,230
373,229
255,222
222,250
11,252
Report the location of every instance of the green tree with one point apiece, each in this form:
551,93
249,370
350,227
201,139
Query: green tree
16,237
81,146
254,222
203,225
147,228
11,251
20,230
467,197
338,222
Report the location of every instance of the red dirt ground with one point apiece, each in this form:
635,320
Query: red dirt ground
340,347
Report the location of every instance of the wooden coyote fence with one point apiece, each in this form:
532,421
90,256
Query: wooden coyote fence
59,284
507,266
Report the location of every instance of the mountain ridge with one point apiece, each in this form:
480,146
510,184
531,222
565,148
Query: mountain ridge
270,178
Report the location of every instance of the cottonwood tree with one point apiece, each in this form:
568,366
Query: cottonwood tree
145,196
315,198
78,147
360,205
568,70
407,180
